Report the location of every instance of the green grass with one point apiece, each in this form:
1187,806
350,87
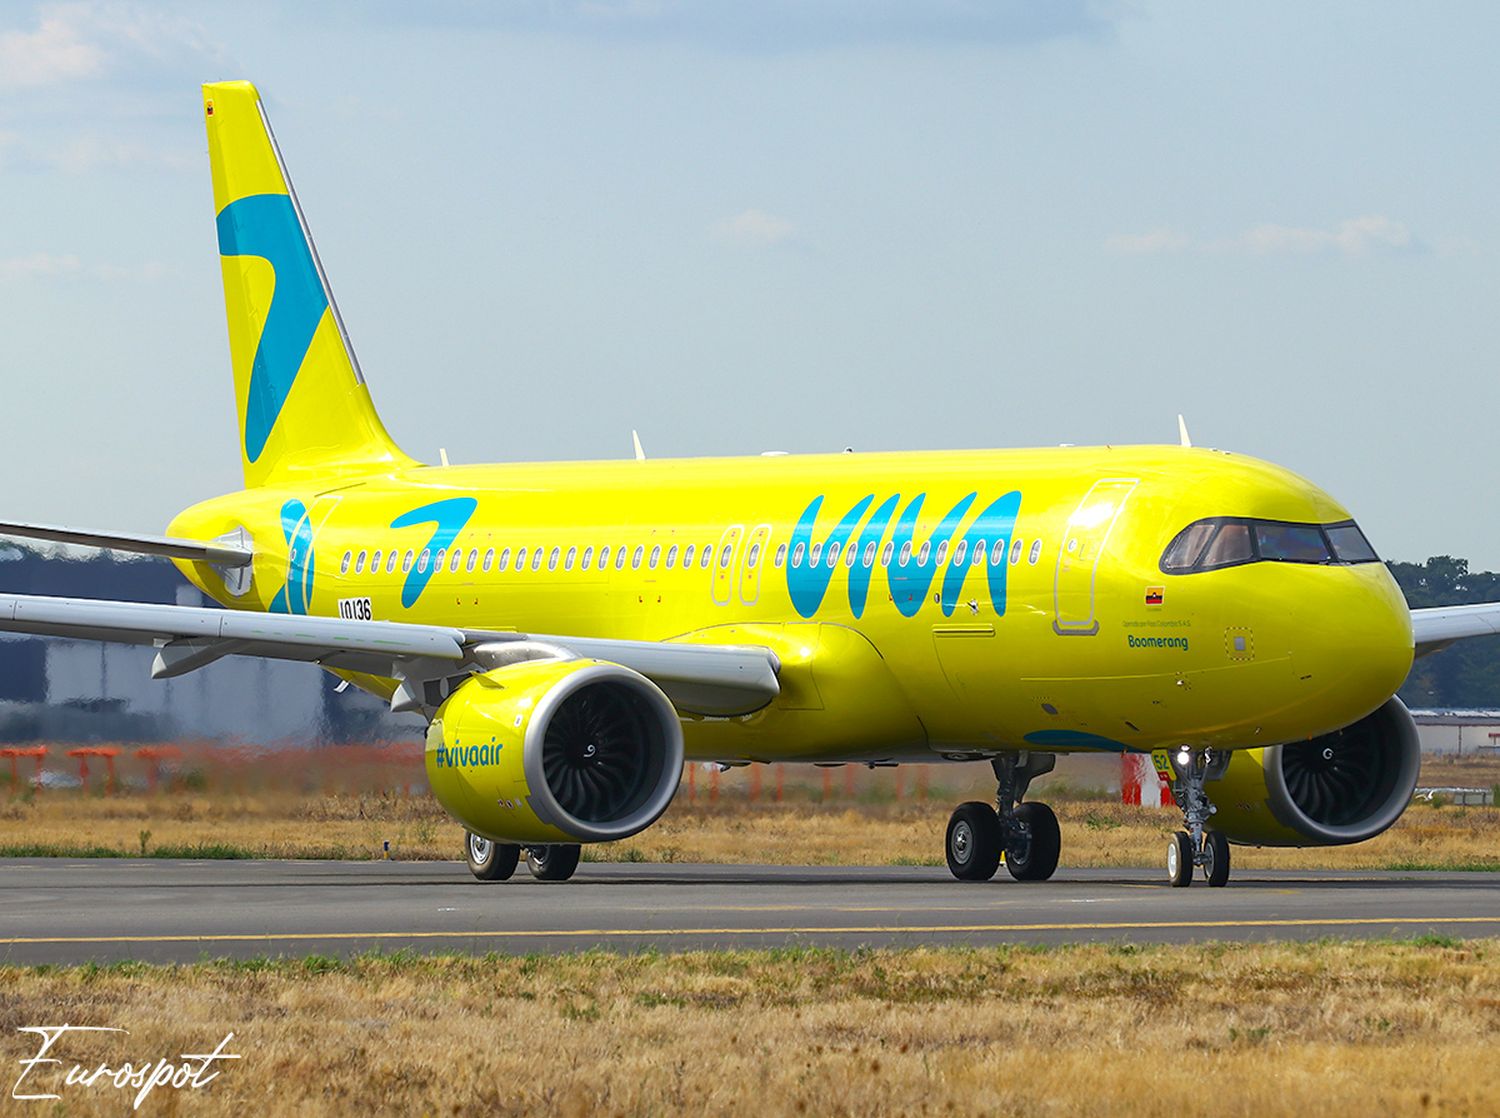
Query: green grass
216,851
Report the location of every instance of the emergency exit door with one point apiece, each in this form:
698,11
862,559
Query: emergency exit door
1083,542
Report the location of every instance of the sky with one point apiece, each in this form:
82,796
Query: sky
885,224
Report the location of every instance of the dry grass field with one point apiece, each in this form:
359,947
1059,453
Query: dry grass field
863,824
1344,1028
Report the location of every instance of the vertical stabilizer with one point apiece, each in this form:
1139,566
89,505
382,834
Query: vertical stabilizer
302,403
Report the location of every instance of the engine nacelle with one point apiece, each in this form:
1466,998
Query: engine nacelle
1342,787
554,751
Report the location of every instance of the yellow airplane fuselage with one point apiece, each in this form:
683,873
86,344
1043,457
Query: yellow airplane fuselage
922,605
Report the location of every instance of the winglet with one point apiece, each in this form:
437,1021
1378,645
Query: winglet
640,453
1182,431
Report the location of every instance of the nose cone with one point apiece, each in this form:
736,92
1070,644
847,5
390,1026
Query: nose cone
1354,644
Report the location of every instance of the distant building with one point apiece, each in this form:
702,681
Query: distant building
1461,732
65,690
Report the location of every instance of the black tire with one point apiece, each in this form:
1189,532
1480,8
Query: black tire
553,863
1216,870
1038,861
490,861
973,842
1180,860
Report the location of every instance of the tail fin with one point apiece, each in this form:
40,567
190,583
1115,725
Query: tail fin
302,402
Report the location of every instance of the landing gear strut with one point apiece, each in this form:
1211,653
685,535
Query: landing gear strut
1025,833
1197,846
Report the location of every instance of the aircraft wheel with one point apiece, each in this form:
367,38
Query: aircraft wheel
490,861
1180,860
1038,861
973,844
555,862
1216,855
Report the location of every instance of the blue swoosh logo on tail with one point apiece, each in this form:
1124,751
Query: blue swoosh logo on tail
266,225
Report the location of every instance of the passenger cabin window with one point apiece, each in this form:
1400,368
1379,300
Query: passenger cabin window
886,552
671,556
344,566
1036,552
833,553
725,555
1231,541
473,560
687,557
568,562
456,558
406,561
754,556
503,560
553,558
536,558
520,558
1015,551
706,556
797,555
637,556
620,558
780,556
587,560
423,560
655,556
374,562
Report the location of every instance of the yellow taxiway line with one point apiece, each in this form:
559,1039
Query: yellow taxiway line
872,929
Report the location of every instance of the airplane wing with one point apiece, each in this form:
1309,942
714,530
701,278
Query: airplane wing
427,661
1440,626
221,553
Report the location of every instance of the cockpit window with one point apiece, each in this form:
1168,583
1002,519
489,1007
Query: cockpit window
1292,543
1230,545
1229,541
1349,544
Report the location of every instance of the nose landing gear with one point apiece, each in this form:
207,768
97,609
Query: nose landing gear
1197,846
1025,833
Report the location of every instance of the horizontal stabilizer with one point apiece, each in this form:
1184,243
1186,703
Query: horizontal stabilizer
220,554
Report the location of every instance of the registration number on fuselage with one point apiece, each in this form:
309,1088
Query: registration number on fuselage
355,609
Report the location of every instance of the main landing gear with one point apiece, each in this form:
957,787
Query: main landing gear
496,861
1197,846
1026,834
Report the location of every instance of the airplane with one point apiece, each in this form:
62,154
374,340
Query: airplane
574,632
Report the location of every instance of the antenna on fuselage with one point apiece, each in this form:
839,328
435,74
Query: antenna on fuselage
1182,432
640,452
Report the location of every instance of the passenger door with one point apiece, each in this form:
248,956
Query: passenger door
1083,541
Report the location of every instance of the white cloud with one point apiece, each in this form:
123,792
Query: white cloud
56,51
91,152
51,265
1155,240
1356,236
754,227
38,265
84,40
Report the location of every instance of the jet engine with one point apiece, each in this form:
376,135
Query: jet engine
1342,787
555,751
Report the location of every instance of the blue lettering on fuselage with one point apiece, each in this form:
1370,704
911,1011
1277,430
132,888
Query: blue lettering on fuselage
912,566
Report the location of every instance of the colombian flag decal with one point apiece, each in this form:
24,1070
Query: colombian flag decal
1154,595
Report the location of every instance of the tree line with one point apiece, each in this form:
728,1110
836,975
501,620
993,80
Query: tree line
1465,674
